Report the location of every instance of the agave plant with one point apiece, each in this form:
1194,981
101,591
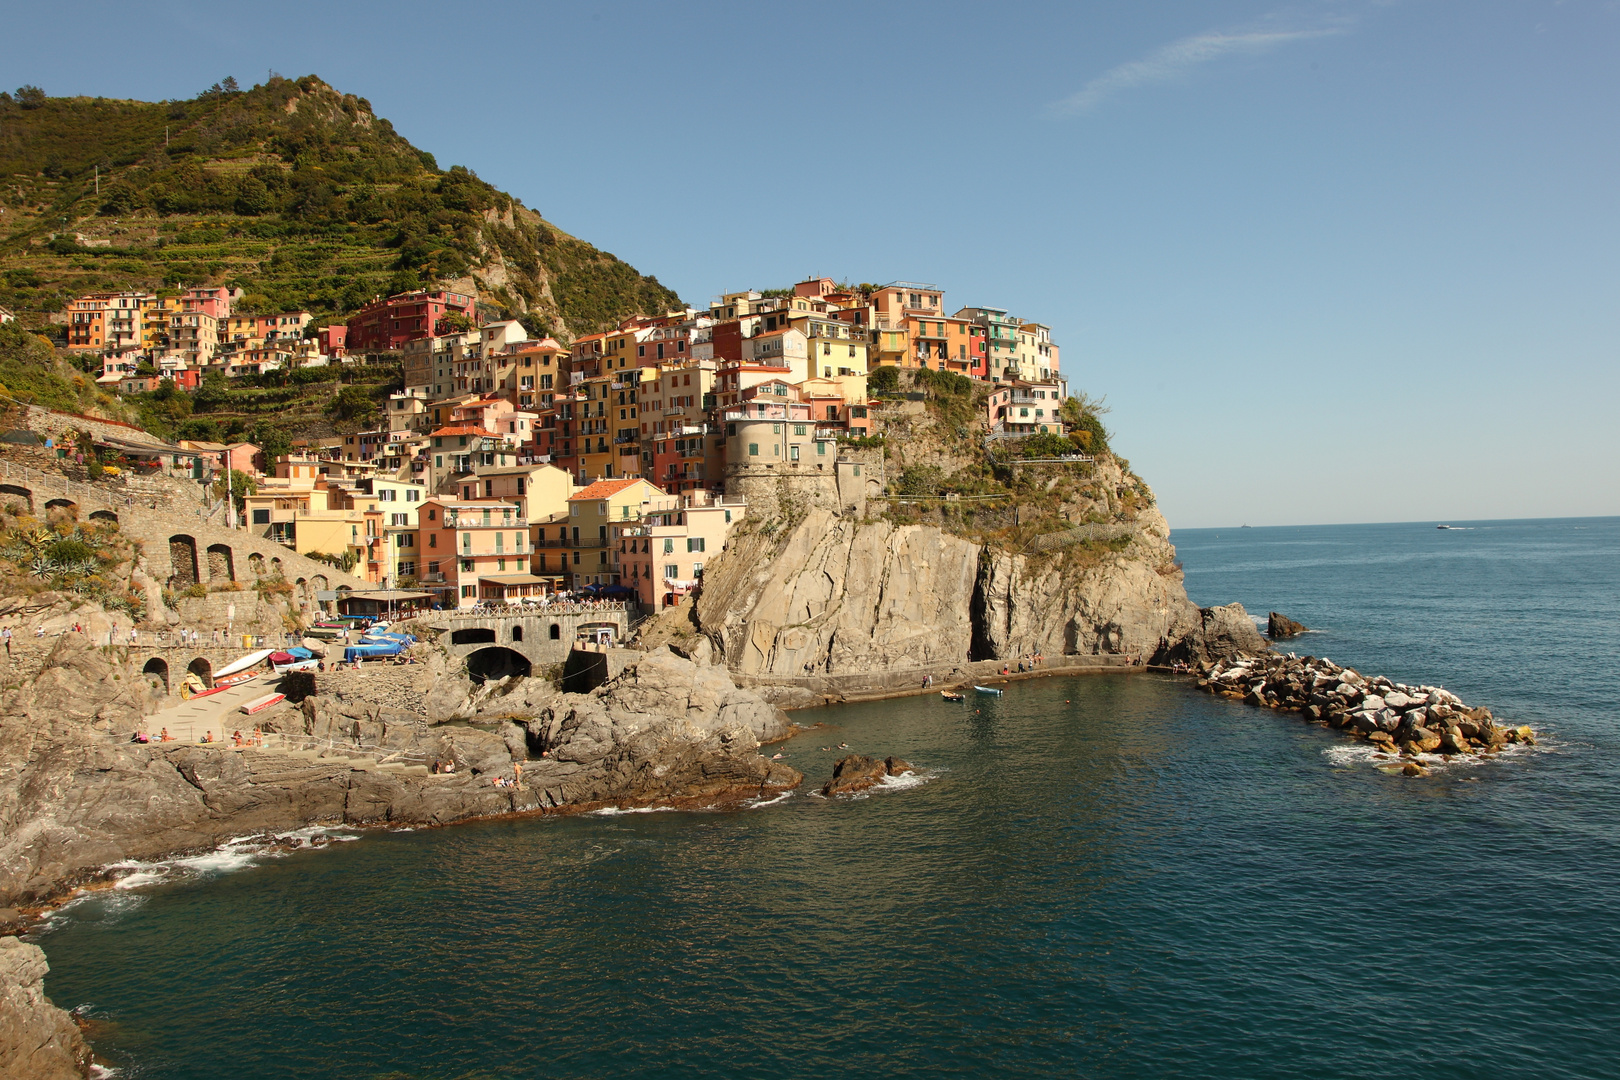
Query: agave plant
41,567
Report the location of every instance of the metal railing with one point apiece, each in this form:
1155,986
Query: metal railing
486,610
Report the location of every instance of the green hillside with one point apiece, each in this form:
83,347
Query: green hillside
295,192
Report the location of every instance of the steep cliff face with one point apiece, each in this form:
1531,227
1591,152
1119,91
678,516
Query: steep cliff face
38,1041
838,596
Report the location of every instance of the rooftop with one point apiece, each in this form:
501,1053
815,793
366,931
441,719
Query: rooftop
603,489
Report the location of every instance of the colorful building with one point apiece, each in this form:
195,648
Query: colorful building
387,323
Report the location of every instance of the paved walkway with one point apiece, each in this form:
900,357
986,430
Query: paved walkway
219,713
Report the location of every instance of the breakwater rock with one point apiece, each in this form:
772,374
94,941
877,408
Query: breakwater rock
1399,719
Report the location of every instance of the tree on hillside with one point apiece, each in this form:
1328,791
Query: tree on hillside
353,403
30,97
238,484
452,322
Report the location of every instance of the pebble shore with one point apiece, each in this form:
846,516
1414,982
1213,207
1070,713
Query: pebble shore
1400,720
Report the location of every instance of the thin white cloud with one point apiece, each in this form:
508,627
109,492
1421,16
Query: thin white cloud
1179,57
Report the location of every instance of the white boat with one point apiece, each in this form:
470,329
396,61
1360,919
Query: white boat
251,660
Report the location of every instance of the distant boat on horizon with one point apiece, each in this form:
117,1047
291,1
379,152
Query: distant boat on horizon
1445,526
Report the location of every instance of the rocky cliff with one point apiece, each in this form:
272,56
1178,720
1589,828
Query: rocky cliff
37,1040
834,595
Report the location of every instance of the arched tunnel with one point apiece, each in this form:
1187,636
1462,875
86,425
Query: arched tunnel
496,663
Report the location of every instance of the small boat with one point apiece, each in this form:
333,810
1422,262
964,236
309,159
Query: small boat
259,704
297,659
987,690
222,685
251,660
951,695
1448,527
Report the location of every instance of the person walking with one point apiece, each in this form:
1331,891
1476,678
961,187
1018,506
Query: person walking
6,634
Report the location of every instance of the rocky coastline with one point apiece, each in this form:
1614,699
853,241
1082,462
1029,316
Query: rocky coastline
1404,722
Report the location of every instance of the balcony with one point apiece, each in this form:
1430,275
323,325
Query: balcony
478,521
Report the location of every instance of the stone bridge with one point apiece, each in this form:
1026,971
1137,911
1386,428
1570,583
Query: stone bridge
181,545
496,645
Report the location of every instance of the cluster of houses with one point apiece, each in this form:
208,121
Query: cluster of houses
510,467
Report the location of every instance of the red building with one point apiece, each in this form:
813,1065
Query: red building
333,339
386,324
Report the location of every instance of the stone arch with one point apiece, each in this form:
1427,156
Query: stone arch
472,635
160,668
275,565
104,515
496,662
183,558
221,563
556,632
64,504
14,489
204,670
517,632
256,564
319,583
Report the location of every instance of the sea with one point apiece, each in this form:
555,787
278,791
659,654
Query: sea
1104,876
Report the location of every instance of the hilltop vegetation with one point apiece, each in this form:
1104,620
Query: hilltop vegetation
291,190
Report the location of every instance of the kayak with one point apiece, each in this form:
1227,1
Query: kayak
988,690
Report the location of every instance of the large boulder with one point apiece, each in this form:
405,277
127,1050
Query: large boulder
1281,626
856,772
1224,631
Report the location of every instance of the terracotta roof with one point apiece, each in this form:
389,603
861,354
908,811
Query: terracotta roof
464,430
603,489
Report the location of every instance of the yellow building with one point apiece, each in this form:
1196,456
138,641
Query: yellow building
590,512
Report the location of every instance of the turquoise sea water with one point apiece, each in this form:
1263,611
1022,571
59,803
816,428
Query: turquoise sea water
1112,876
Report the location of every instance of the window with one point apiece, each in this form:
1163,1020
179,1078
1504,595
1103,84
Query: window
469,590
793,452
821,448
694,543
753,449
798,429
467,565
669,545
261,517
466,543
672,571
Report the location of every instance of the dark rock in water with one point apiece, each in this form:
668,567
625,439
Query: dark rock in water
857,773
1281,626
854,773
1412,768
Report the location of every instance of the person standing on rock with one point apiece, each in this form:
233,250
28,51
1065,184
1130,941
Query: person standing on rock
6,634
517,771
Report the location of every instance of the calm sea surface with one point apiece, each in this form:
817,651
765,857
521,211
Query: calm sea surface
1113,876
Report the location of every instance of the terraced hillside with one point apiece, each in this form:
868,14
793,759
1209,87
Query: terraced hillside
293,191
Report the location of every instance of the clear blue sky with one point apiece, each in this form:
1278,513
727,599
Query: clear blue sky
1327,261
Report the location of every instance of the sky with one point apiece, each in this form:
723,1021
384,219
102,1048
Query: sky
1326,261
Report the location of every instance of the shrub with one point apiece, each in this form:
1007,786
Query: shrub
886,379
